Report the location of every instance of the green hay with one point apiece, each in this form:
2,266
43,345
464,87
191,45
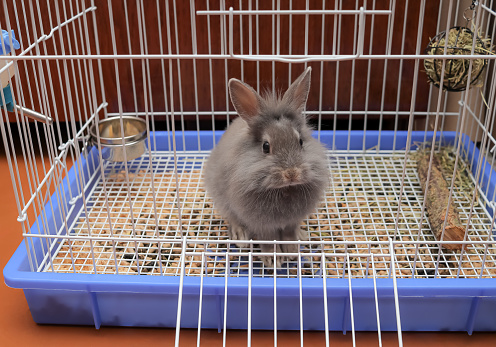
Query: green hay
460,42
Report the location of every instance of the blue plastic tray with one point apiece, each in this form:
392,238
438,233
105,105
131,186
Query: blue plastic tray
151,301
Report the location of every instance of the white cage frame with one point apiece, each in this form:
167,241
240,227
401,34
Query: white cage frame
101,239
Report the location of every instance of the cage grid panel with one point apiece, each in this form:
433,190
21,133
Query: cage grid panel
360,205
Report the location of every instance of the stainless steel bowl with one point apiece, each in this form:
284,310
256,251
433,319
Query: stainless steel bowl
111,137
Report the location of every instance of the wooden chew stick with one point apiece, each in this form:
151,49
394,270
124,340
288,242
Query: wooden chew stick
436,202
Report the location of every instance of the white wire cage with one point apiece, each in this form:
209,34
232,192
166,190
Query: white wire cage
168,63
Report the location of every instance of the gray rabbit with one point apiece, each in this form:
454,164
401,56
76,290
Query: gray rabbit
267,172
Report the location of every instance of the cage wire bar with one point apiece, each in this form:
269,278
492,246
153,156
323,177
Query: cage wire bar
151,216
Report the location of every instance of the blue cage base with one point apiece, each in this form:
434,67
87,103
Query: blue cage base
425,304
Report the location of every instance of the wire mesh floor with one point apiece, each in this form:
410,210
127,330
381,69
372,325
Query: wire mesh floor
360,207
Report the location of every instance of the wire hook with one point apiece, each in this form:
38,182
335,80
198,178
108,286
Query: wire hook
470,8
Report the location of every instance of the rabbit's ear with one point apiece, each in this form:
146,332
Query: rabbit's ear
245,99
297,94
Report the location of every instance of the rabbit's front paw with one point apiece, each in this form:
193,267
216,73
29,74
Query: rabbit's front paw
268,260
302,235
292,234
290,248
239,233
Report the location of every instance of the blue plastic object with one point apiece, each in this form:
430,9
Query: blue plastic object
151,301
6,48
9,102
5,42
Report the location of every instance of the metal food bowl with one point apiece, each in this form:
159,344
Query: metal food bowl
111,137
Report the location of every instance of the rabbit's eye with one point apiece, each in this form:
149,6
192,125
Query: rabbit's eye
301,142
266,147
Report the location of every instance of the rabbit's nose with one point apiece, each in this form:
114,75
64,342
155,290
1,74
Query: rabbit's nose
291,175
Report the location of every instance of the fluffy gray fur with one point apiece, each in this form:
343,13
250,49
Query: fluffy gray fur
266,196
